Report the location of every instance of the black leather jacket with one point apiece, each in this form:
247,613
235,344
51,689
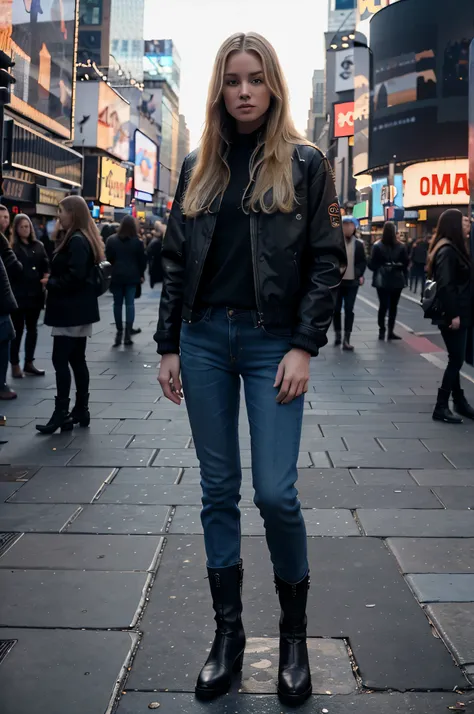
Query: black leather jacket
298,258
454,289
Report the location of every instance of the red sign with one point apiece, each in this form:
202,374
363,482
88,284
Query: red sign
343,119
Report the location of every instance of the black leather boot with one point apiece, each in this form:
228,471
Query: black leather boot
461,405
442,412
227,651
128,336
80,413
118,338
346,346
59,420
338,339
294,676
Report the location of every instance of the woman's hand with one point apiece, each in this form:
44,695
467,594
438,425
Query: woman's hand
292,376
361,280
169,380
44,280
455,323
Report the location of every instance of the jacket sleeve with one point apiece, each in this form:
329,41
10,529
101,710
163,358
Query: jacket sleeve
173,261
361,259
109,251
325,257
445,274
375,258
44,262
78,265
12,265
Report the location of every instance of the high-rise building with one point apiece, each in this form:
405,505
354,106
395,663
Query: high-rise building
317,109
342,15
162,75
183,140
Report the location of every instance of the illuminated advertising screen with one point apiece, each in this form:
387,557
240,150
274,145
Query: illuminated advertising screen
437,183
471,126
343,119
40,37
381,196
420,81
113,179
114,115
362,63
146,156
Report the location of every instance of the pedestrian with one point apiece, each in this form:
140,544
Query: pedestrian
449,264
352,279
71,309
29,294
252,260
126,253
418,257
10,269
389,263
154,261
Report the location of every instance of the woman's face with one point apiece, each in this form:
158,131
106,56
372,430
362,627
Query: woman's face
65,218
246,96
23,229
348,229
466,227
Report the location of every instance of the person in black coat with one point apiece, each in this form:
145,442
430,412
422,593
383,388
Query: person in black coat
10,269
449,264
389,263
126,253
71,309
28,292
352,279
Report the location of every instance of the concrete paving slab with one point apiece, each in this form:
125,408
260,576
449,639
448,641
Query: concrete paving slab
418,524
35,518
113,457
58,671
63,485
456,497
8,489
382,460
138,703
41,454
83,552
122,411
83,439
126,520
442,587
163,495
146,476
137,426
443,477
72,599
353,497
433,555
455,623
159,441
382,477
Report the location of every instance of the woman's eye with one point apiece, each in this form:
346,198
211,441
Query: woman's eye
258,81
231,82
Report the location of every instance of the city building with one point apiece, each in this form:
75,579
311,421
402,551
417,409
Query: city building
342,15
317,109
162,75
183,140
39,167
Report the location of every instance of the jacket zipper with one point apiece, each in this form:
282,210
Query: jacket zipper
253,221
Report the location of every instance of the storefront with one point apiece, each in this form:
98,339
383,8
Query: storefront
431,187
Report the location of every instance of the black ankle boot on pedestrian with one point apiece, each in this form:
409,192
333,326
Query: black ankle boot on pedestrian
442,412
381,333
128,336
338,339
346,345
227,651
294,676
393,336
59,420
118,338
80,414
461,405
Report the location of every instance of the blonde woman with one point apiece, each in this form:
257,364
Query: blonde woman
71,309
252,260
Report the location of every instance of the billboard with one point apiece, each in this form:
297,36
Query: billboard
471,126
102,119
113,179
146,156
381,196
420,81
344,71
343,119
362,64
40,36
437,183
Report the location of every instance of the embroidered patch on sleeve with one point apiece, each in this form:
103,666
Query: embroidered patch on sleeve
334,214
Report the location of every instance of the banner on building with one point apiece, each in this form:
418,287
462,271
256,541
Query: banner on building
113,180
437,183
345,70
343,119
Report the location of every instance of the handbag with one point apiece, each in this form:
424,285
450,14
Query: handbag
102,277
390,276
429,303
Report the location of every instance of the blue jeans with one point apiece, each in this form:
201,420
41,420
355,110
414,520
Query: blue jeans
216,352
121,293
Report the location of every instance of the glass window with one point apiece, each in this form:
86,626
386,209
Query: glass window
90,12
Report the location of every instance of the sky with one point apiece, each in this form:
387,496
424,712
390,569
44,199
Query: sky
198,27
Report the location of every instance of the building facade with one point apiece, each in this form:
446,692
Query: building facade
184,146
317,109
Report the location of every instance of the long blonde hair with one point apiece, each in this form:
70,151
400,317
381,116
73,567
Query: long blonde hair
81,222
270,167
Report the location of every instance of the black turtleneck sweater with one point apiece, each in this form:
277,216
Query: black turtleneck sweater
227,279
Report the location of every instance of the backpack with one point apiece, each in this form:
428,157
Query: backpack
102,277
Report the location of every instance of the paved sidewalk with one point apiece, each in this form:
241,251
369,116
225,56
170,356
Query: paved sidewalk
104,603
